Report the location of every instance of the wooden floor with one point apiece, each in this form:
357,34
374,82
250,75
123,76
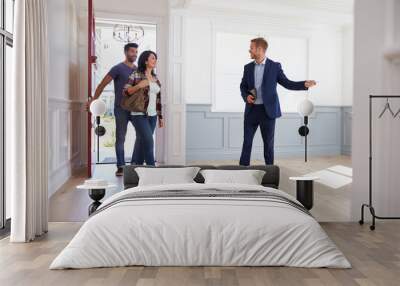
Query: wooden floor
330,204
70,205
375,257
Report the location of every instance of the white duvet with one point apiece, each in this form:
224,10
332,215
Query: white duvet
200,231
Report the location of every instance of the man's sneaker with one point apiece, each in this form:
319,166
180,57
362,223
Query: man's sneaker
119,172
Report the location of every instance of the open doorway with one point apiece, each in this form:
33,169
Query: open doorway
110,38
108,50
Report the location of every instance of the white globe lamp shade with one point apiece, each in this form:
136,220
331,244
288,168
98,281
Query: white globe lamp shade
305,108
98,107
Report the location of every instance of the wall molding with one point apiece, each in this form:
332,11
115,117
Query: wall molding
66,139
175,128
347,119
260,14
218,135
64,101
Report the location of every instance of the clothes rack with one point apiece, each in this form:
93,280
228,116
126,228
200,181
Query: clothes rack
370,203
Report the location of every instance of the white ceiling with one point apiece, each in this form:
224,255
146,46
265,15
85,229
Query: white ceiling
332,6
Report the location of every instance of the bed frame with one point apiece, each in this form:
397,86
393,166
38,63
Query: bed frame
270,179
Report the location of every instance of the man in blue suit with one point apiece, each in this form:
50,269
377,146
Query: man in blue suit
258,89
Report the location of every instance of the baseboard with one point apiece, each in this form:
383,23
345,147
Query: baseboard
5,231
258,155
62,174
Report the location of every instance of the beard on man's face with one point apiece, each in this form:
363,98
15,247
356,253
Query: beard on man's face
132,59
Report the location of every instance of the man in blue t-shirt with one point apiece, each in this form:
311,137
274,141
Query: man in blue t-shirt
120,74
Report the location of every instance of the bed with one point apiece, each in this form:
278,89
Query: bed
201,224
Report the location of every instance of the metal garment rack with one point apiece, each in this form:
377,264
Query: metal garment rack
370,205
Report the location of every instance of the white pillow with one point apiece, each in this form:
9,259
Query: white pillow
248,177
166,176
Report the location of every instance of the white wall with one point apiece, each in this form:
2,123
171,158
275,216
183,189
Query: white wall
199,46
347,64
154,8
376,27
326,59
66,115
231,54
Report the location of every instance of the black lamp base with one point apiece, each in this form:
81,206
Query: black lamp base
305,193
304,131
96,195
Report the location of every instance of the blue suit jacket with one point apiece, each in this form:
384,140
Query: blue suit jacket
273,74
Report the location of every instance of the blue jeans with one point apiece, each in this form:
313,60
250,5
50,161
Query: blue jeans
144,145
122,118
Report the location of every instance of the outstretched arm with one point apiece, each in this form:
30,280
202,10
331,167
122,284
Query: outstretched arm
293,85
105,81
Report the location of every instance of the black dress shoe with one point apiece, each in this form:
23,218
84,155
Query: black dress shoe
119,172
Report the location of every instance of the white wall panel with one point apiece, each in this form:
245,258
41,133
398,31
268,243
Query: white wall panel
217,45
175,116
66,114
198,46
232,54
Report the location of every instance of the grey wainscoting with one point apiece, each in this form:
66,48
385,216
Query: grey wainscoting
219,135
347,117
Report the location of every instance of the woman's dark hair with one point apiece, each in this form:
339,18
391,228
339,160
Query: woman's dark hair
143,59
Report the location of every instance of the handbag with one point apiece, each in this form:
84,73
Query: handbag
135,102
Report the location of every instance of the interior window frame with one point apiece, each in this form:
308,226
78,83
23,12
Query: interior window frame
6,39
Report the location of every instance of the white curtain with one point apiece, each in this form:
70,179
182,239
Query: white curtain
28,123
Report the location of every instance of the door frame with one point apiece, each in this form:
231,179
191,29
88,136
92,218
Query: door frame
6,39
90,60
161,38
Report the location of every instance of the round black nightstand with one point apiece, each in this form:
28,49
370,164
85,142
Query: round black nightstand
305,190
96,193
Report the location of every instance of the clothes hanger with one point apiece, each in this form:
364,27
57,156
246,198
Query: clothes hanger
387,107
